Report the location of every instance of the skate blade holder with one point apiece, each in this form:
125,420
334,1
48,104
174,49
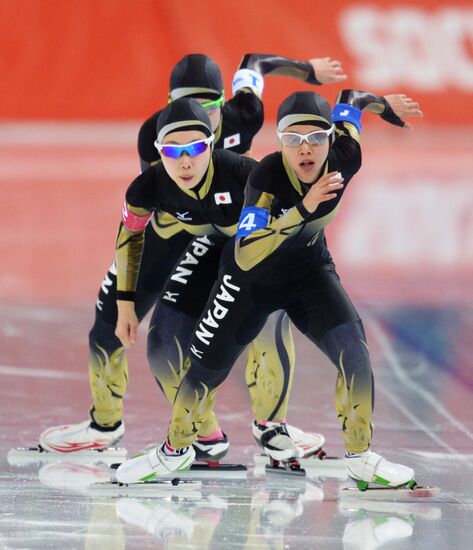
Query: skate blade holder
214,470
285,467
23,456
393,494
190,489
262,467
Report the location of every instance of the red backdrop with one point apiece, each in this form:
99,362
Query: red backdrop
110,59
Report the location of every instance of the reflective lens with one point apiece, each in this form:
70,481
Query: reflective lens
291,139
192,149
213,105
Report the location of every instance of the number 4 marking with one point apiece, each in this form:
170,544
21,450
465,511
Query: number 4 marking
248,222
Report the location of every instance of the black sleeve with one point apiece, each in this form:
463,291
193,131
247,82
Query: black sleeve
345,153
244,111
277,65
371,102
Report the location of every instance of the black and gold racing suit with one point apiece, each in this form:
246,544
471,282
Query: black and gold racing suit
166,239
284,264
210,211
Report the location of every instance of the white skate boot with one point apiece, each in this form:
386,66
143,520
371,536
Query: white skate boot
205,451
280,449
277,443
211,451
71,438
310,443
371,468
153,465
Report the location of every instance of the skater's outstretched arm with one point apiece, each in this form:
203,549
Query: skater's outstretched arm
248,82
392,108
254,66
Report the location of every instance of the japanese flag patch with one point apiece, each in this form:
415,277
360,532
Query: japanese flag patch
231,141
223,198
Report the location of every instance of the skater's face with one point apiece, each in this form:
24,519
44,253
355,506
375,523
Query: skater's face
306,160
186,171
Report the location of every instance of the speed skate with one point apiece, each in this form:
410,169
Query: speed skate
83,442
186,483
207,463
210,470
23,456
378,479
284,446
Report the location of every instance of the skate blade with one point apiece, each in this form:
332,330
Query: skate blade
206,471
209,471
23,456
402,494
153,488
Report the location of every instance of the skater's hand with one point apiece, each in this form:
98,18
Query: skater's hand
327,70
322,191
127,323
403,107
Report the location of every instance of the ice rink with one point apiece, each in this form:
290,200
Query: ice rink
60,213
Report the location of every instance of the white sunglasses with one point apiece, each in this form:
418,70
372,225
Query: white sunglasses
291,139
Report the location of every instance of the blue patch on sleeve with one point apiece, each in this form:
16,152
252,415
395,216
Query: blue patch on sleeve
251,219
342,112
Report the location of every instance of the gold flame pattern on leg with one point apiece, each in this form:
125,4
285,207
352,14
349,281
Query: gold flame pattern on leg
353,403
191,408
108,378
270,369
170,379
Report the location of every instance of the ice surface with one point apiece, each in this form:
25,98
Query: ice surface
423,418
